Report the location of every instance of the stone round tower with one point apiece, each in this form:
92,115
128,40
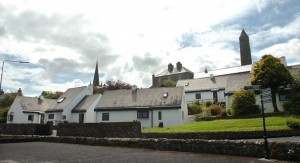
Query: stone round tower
245,51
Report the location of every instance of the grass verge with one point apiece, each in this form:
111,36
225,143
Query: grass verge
251,124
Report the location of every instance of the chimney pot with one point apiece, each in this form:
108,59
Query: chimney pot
170,68
179,66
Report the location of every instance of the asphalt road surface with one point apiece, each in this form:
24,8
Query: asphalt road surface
57,152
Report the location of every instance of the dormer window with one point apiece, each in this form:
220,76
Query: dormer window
166,94
61,99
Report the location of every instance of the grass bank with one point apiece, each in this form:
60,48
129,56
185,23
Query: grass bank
251,124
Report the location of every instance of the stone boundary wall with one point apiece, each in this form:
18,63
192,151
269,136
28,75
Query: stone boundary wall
279,150
223,135
26,129
111,129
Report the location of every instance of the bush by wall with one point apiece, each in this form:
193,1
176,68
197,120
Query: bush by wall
111,129
194,108
293,123
244,103
26,129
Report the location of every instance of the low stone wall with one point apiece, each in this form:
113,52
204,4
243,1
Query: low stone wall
26,129
281,151
112,129
223,135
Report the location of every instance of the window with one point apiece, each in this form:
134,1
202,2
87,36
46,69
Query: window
81,118
51,116
61,99
198,95
143,114
182,114
166,94
105,116
10,117
30,117
283,95
159,115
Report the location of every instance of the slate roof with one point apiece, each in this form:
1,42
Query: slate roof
145,98
207,83
225,71
34,104
175,71
86,102
69,96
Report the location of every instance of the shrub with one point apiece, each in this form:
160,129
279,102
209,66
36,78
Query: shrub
208,104
216,109
244,103
224,113
293,123
295,95
287,106
229,112
194,108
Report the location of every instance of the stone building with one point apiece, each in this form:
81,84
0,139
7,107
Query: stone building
173,74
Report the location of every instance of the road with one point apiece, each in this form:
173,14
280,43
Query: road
58,152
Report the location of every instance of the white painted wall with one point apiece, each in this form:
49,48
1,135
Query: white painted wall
170,117
67,110
57,117
90,114
16,111
205,96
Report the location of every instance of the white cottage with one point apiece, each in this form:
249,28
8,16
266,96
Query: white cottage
28,110
149,106
62,109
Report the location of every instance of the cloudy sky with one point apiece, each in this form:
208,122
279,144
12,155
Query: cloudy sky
133,39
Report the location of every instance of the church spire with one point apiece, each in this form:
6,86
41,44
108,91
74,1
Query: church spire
96,76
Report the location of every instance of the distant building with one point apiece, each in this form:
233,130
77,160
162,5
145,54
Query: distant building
173,74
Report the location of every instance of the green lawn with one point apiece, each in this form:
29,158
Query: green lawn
252,124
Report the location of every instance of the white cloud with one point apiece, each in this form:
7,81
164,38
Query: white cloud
290,49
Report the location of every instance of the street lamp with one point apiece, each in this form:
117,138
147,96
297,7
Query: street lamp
2,71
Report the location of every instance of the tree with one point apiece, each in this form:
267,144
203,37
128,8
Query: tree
168,83
244,103
8,99
51,95
270,72
295,95
112,85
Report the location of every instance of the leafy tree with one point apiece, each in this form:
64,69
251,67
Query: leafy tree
244,103
51,95
270,72
112,85
168,83
8,99
295,95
